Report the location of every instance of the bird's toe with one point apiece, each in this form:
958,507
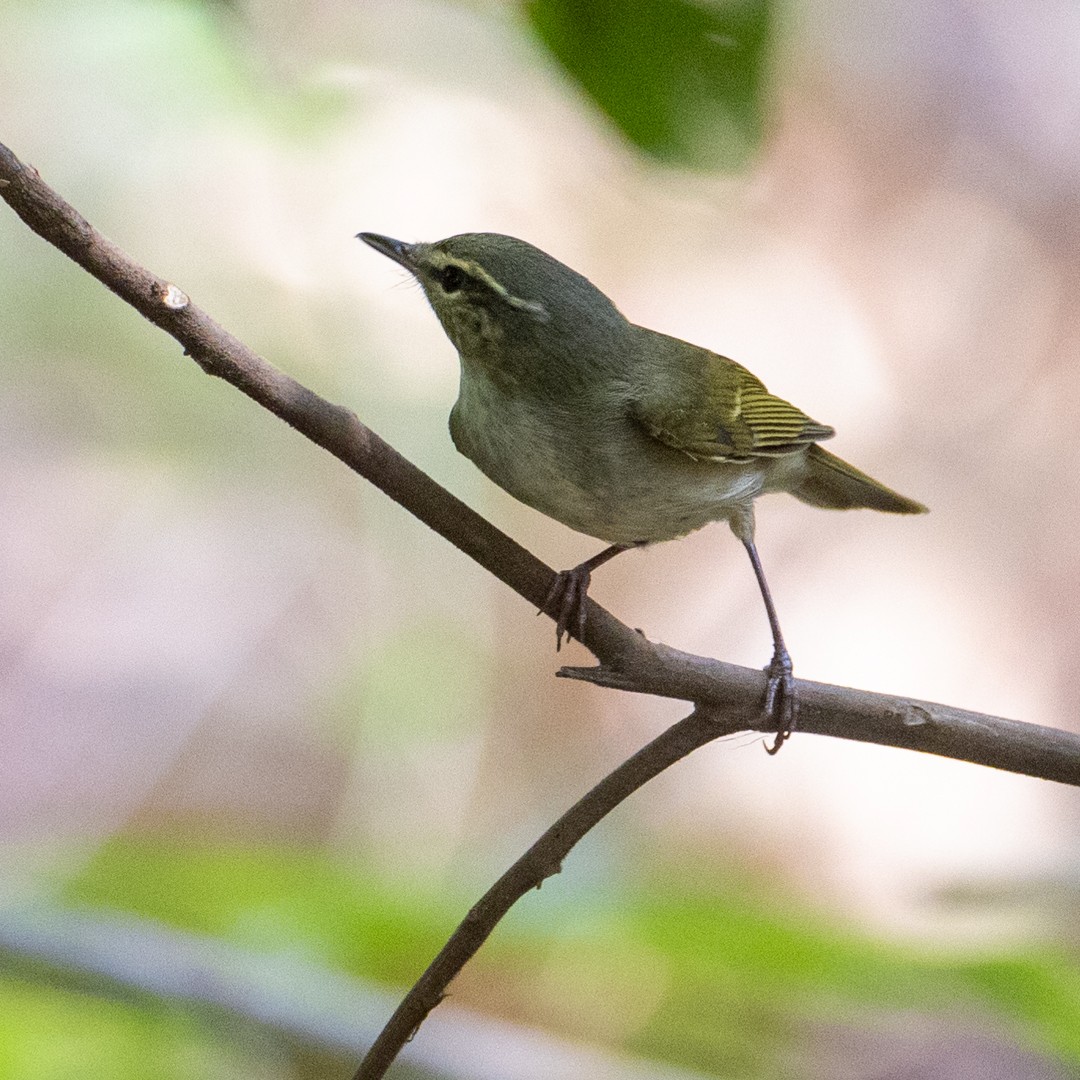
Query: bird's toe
566,601
781,699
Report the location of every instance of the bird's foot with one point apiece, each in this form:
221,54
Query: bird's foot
566,602
781,699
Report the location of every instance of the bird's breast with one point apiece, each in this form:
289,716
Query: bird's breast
586,464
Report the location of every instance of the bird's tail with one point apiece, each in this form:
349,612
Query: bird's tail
833,484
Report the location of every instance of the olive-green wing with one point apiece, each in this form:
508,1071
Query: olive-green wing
716,409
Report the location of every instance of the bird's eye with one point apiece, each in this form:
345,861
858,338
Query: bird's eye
451,278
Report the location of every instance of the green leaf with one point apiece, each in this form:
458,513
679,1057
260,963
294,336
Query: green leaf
681,79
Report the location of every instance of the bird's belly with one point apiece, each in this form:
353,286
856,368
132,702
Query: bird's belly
616,485
673,497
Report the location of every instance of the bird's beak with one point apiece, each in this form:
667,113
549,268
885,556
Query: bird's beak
402,253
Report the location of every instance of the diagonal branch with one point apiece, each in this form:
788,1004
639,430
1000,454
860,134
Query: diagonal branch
627,660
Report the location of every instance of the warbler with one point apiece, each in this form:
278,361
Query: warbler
619,432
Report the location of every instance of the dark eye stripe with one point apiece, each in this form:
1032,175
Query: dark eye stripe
451,278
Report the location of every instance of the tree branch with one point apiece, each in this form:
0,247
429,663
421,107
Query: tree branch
627,660
543,859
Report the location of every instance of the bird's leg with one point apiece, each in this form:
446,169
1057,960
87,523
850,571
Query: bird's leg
568,592
781,701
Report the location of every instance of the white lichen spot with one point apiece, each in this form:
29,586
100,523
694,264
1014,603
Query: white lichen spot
174,298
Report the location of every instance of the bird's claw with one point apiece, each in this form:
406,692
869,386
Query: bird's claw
567,600
781,699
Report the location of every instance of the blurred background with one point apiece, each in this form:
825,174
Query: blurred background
264,738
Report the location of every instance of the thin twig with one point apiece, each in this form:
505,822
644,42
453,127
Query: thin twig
543,859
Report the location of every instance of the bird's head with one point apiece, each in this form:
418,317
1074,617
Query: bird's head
494,294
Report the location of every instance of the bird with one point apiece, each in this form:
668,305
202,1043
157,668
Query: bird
617,431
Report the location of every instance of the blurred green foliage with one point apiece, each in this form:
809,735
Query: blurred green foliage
269,899
681,79
55,1032
726,973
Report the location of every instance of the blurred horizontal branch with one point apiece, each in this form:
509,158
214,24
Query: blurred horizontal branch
297,997
728,697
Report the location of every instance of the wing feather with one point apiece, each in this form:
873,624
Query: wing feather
717,410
